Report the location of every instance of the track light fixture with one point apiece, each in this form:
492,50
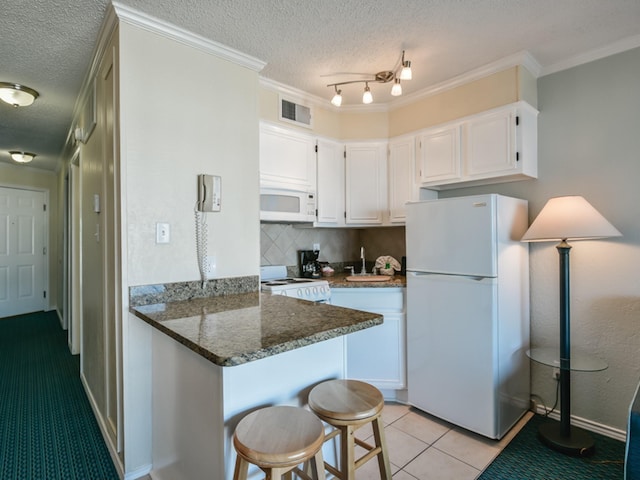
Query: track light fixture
21,157
17,95
402,71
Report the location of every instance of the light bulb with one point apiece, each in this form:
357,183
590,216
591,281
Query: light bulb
396,90
405,74
337,98
366,96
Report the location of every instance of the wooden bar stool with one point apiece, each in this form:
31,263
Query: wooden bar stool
277,440
348,405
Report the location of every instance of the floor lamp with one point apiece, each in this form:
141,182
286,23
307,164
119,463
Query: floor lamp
567,218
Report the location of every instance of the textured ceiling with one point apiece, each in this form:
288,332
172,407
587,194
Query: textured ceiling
48,44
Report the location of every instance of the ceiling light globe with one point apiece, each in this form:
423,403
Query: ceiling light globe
17,95
406,74
396,90
22,157
337,99
366,96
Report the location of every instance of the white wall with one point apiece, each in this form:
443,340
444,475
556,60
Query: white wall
186,112
588,145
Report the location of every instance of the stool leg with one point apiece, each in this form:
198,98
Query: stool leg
287,476
242,467
347,453
317,466
383,456
276,473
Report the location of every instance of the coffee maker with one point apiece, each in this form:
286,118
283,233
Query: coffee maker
309,265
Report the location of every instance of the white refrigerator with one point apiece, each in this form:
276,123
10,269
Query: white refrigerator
468,311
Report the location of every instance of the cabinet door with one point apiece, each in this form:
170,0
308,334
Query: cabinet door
440,155
287,158
490,144
402,184
366,183
330,192
376,355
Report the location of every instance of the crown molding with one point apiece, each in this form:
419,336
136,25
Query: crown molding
134,17
620,46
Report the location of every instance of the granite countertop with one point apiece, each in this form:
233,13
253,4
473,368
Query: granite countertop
231,330
338,280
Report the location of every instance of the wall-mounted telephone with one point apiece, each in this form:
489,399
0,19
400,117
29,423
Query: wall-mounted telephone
209,193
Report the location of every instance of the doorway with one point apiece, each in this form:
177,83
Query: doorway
24,255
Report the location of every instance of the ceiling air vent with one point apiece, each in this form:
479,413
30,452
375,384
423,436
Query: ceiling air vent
295,113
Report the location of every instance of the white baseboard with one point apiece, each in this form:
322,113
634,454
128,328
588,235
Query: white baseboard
139,473
588,425
103,428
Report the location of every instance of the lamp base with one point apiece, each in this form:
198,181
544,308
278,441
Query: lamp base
579,443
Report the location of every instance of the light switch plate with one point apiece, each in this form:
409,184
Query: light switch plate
163,233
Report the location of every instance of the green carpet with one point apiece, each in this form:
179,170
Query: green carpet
47,428
526,458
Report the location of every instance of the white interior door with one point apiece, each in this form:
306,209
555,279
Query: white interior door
22,251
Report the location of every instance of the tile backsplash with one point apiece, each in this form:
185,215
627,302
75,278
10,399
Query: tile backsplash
279,243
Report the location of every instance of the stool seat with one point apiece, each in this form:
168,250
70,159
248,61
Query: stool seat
277,439
348,405
346,400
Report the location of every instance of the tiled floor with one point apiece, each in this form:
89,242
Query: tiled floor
425,448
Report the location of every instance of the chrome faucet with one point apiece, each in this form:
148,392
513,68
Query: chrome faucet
363,270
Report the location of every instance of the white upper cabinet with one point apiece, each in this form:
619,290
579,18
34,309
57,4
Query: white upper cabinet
287,158
366,183
502,143
330,192
402,175
439,154
499,145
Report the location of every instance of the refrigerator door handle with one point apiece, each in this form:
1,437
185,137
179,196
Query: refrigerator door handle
477,278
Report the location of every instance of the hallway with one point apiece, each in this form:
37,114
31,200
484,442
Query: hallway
47,428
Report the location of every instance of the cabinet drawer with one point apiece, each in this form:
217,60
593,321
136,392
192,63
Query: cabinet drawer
376,300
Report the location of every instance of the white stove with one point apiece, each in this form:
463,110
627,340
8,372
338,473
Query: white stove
274,280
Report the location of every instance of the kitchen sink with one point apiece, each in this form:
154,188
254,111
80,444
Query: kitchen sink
367,277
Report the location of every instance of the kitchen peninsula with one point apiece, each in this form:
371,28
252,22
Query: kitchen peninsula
215,359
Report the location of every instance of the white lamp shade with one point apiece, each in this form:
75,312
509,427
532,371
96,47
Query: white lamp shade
569,218
337,99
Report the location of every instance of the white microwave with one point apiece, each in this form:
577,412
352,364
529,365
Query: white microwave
282,205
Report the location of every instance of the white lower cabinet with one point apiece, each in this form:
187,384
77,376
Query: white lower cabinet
376,355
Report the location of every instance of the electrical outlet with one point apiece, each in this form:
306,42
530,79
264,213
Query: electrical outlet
556,373
211,266
533,405
316,246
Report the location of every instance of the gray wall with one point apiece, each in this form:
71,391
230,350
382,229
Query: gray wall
589,144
